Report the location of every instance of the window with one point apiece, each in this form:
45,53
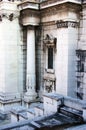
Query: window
80,66
50,58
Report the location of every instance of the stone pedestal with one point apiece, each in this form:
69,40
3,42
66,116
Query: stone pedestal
52,102
31,77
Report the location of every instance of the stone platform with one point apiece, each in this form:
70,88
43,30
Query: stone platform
55,111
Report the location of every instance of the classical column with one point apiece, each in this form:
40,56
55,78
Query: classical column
31,76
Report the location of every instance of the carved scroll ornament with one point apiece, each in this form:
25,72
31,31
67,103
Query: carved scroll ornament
49,41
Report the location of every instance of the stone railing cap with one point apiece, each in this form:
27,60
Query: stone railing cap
53,96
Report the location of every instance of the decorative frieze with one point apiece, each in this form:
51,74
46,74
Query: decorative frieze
10,16
66,24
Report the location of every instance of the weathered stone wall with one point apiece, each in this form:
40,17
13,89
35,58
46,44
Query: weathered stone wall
11,79
82,46
65,28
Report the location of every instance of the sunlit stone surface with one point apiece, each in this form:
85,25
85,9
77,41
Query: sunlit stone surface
42,63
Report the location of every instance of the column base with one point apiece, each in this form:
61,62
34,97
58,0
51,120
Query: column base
30,96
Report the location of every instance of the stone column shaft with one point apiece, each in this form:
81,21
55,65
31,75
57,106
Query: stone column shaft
31,76
30,59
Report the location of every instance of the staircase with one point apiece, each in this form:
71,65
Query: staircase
52,103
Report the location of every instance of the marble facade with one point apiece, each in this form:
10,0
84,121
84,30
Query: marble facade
28,28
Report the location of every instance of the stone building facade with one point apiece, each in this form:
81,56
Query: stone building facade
42,49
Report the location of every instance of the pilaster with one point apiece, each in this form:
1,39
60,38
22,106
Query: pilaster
9,31
67,38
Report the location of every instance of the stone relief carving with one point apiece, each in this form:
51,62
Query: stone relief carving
10,16
49,86
49,82
49,41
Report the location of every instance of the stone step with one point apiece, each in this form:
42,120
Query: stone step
17,113
39,110
31,113
35,111
71,112
23,116
35,124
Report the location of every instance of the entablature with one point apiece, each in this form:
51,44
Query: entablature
32,12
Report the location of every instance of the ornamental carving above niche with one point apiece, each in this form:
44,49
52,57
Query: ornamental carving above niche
49,41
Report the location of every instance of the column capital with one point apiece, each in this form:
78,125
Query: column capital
30,27
66,24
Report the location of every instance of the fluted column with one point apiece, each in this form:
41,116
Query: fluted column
31,76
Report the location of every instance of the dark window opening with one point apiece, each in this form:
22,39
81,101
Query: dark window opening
50,58
78,84
80,67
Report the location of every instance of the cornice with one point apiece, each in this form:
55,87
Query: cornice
28,5
59,8
50,3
